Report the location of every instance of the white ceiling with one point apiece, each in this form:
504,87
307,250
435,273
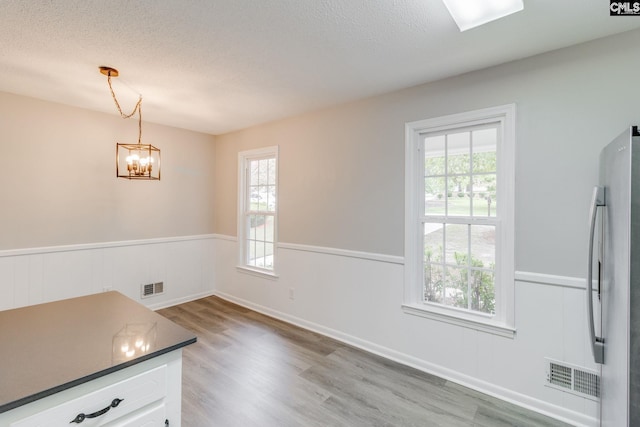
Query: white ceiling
220,65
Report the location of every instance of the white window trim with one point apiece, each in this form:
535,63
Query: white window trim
503,323
243,158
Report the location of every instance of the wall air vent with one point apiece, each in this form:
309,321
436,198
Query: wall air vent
573,379
151,289
560,375
586,383
158,287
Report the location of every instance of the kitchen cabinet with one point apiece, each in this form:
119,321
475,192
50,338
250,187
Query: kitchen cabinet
137,384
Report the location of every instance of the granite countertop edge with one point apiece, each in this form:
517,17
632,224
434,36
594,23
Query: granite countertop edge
44,339
32,398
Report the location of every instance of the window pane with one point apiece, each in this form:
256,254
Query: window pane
433,242
268,249
254,198
261,229
260,249
252,252
483,246
484,162
486,204
254,168
456,287
456,244
258,224
269,229
256,253
272,172
268,255
271,198
252,227
434,155
484,150
458,149
434,200
264,172
483,291
484,195
458,202
433,283
262,195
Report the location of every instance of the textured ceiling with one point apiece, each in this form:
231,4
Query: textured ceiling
220,65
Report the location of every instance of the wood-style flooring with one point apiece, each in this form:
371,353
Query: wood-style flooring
249,370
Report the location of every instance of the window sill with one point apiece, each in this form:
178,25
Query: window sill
460,319
266,274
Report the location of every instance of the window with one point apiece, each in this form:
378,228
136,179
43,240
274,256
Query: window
257,210
459,219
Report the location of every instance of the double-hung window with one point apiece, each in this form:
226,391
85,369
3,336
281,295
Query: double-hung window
257,209
459,180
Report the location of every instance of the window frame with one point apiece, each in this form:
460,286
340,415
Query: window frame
244,158
503,322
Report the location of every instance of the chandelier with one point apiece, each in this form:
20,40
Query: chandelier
134,161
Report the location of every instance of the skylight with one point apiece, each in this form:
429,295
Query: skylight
472,13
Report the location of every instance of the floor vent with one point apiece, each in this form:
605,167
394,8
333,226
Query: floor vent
151,289
573,379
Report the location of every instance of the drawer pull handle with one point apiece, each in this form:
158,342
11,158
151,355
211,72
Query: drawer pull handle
81,417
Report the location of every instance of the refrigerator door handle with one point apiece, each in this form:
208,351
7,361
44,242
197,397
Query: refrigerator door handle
597,343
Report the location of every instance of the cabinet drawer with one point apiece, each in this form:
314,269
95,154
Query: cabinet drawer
150,417
135,392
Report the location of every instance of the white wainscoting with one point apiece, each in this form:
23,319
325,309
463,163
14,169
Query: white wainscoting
352,296
37,275
356,298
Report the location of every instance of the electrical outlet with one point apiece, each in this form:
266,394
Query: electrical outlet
291,294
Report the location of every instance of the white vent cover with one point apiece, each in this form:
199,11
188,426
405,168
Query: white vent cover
158,287
151,289
573,379
586,383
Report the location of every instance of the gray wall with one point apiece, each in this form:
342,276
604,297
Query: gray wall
342,169
57,171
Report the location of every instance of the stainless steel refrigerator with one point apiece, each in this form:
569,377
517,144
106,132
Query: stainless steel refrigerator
613,280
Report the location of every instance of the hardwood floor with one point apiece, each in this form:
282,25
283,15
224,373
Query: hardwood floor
248,369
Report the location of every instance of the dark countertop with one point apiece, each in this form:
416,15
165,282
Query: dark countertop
50,347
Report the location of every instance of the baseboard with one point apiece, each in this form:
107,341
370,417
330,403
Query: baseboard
510,396
177,301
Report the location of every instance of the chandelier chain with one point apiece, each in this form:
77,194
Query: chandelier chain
137,108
